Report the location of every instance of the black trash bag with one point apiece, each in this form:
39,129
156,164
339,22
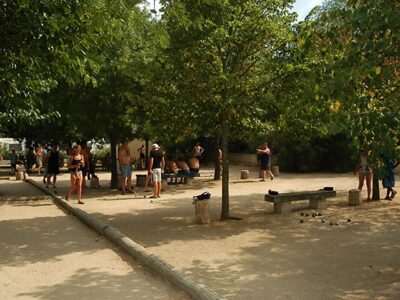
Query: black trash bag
273,193
203,196
328,188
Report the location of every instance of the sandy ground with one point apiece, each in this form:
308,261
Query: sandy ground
264,256
46,254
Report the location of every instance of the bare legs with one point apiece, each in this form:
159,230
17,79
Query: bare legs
54,179
368,179
126,184
263,173
76,181
156,189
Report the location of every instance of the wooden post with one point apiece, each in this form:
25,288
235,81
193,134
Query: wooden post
202,213
244,174
275,170
355,197
19,175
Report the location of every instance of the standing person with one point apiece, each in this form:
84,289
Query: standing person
45,162
40,153
85,151
13,161
364,172
389,178
141,151
30,158
156,169
92,164
75,165
265,156
198,151
53,165
125,161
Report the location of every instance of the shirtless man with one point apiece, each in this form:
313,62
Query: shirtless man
171,165
184,168
125,161
194,164
198,151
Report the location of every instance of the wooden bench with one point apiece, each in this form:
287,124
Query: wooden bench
178,178
282,202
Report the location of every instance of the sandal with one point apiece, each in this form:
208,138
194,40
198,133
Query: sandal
393,194
388,198
81,202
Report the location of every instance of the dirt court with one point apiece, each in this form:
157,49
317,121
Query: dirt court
264,256
46,254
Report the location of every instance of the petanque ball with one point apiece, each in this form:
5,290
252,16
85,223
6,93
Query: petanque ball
302,214
337,223
307,215
301,221
349,220
322,220
331,223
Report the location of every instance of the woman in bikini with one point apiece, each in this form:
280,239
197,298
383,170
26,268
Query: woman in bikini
364,172
76,163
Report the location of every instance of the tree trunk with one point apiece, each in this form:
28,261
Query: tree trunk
225,171
114,175
375,187
146,156
217,163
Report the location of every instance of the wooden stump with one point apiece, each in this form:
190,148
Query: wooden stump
355,197
275,170
244,174
202,213
164,185
19,175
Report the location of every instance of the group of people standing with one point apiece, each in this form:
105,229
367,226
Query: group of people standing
364,171
156,166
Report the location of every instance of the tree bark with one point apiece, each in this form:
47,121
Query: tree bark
217,164
225,171
114,175
375,187
146,155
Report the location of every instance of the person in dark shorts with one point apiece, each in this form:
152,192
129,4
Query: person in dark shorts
265,157
13,161
142,156
53,165
389,178
75,164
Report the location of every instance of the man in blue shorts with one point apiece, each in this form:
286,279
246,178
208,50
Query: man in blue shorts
125,164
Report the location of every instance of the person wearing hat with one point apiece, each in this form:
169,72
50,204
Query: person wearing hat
156,168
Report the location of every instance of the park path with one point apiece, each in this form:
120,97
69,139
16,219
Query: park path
46,254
